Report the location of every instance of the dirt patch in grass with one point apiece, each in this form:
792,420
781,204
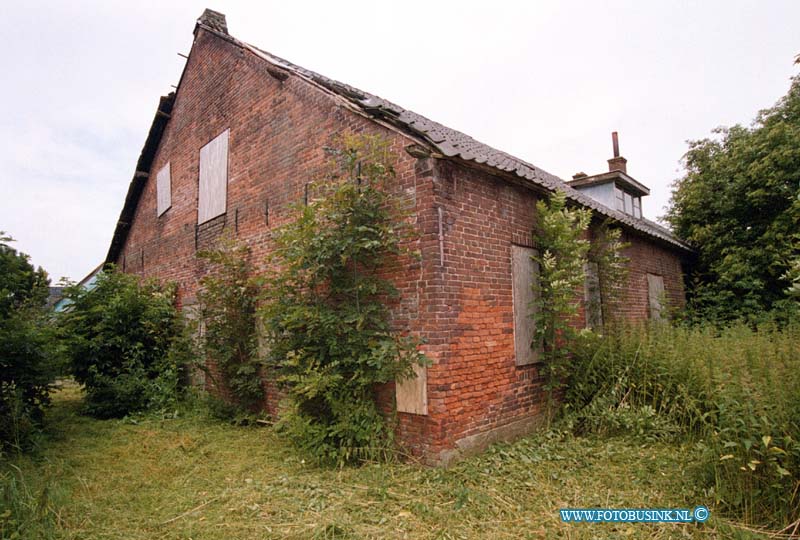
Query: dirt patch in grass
192,477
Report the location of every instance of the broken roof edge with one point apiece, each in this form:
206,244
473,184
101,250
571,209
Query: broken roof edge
140,176
450,143
456,145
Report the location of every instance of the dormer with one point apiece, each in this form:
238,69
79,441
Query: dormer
615,188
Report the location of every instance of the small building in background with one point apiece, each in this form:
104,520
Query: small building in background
87,283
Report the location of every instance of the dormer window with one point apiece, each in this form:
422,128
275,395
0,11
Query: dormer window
625,202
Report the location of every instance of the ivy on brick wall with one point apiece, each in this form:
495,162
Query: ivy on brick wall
325,315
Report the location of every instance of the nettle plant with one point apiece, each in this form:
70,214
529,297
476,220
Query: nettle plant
562,255
326,317
228,297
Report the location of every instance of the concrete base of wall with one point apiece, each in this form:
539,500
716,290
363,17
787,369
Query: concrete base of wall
475,444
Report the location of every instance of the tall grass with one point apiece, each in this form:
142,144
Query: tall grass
735,392
27,507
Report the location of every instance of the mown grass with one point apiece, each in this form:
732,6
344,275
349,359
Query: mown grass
193,477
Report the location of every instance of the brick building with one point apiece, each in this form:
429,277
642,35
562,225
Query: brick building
236,144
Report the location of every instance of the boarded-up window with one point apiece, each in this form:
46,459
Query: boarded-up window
412,394
163,190
211,199
593,302
655,296
191,312
524,270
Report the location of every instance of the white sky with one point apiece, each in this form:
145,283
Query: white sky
545,81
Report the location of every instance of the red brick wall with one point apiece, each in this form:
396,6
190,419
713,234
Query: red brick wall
457,297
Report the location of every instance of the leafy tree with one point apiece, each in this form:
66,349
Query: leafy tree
27,359
123,339
325,314
20,282
739,205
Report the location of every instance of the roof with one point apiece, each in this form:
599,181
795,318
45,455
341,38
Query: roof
140,177
448,142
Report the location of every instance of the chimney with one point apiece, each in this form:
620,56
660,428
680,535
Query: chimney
214,20
617,163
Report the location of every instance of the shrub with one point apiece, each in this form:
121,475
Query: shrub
228,298
562,256
325,315
122,337
28,363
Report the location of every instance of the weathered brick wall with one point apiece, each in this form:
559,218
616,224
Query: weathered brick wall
457,296
278,129
646,257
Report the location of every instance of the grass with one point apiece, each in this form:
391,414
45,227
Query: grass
192,477
736,391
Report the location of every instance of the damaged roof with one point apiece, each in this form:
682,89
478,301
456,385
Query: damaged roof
448,142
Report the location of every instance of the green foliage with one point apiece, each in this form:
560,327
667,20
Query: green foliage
27,348
26,510
739,204
792,275
326,315
228,298
124,341
20,283
562,255
606,251
735,393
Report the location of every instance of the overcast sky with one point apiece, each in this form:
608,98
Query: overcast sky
545,81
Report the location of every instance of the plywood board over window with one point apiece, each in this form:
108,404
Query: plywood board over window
524,270
213,191
655,296
593,302
412,394
163,190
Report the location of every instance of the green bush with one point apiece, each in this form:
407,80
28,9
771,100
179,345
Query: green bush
28,363
326,316
736,392
228,298
122,337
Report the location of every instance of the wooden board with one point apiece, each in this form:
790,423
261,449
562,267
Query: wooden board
524,270
593,306
163,190
213,191
655,296
412,394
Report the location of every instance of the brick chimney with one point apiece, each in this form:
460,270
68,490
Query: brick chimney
214,20
617,163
